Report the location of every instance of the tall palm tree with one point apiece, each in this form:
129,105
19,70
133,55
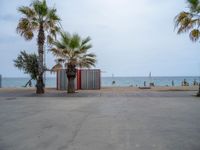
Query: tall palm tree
39,19
73,52
190,22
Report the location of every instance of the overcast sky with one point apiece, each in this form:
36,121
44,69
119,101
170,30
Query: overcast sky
130,37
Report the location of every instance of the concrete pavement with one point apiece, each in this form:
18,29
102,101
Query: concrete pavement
100,123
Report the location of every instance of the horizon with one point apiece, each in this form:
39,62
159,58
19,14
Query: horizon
132,42
117,76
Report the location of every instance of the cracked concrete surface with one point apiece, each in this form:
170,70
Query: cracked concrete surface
100,123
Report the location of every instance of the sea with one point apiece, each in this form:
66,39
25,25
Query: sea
108,81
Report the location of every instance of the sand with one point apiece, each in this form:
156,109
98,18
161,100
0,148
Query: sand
4,91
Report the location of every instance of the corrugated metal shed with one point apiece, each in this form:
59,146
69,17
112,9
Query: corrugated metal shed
90,79
61,80
86,79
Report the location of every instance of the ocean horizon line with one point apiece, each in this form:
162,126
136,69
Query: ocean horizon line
120,76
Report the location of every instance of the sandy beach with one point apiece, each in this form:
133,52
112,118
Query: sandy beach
20,92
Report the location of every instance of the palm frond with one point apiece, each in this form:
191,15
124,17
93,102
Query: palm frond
65,38
85,41
25,28
59,45
189,21
51,15
87,63
50,39
194,5
27,11
28,63
194,35
85,48
183,22
91,55
57,52
87,60
74,50
75,41
40,7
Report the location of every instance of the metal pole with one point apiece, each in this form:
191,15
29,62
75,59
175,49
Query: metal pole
44,66
198,94
0,81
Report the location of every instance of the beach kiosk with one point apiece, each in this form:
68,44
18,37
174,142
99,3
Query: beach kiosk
86,79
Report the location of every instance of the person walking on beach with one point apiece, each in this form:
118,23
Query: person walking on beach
195,82
172,82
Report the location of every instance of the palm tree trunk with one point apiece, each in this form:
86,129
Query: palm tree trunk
27,83
71,88
40,42
71,75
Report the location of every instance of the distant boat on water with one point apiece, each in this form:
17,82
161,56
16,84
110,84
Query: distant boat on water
151,83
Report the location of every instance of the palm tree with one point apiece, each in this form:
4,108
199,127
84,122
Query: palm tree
190,22
73,52
28,63
39,19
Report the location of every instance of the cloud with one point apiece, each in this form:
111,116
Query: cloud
130,37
